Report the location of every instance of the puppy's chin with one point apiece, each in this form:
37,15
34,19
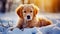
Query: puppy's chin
28,19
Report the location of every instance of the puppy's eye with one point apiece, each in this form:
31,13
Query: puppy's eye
31,11
24,11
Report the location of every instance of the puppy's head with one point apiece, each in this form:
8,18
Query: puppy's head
27,11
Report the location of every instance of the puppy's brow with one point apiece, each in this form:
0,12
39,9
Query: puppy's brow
24,11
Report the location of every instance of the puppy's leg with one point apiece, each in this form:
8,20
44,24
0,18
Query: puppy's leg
45,22
20,24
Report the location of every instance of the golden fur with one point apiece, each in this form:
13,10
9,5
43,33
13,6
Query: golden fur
35,22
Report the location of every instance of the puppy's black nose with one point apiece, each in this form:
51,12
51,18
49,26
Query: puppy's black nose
28,17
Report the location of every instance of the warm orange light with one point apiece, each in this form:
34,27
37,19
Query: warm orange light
46,5
48,2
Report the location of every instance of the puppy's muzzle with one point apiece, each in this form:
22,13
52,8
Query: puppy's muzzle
28,17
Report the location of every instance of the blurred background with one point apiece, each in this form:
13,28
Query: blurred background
46,6
8,18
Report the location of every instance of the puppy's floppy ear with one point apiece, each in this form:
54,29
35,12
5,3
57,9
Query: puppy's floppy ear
36,9
19,11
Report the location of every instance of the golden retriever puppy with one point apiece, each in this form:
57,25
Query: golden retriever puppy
27,17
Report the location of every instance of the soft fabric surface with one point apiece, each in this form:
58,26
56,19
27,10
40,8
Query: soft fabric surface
52,29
